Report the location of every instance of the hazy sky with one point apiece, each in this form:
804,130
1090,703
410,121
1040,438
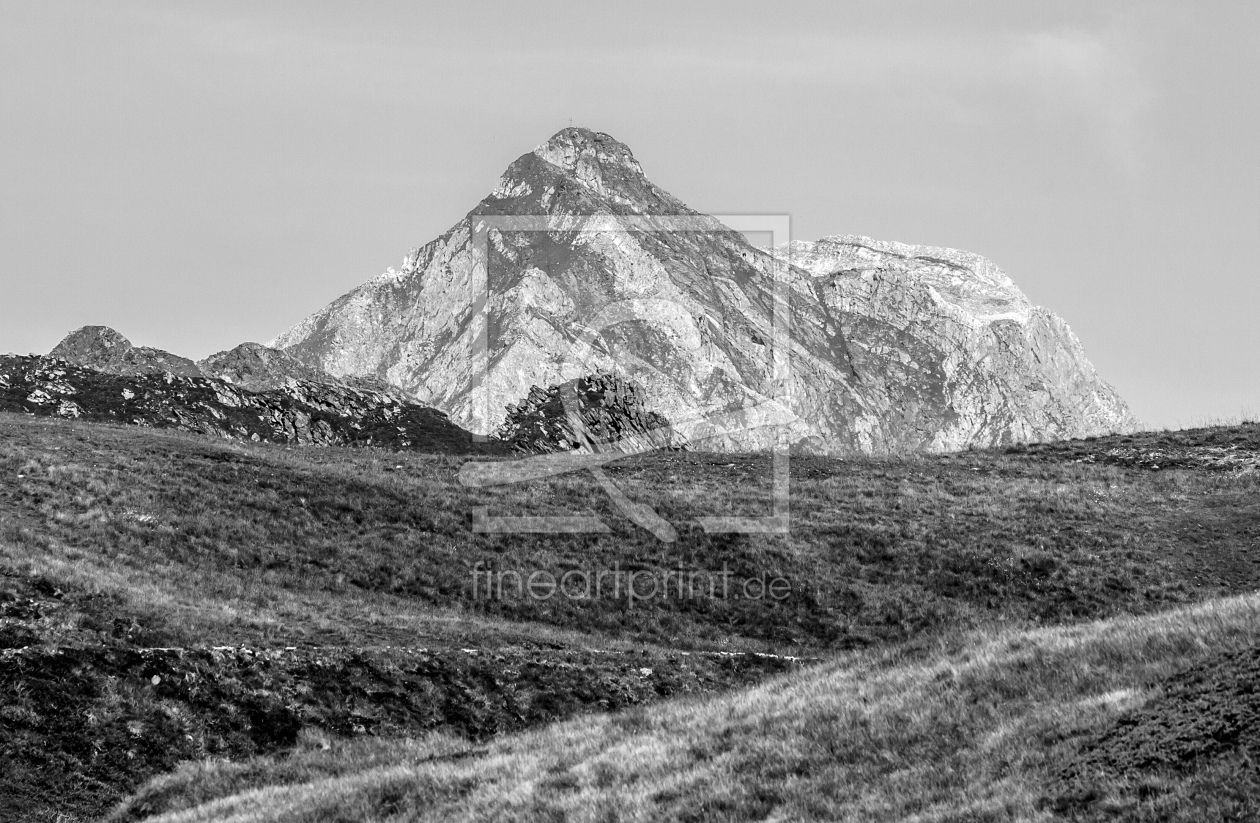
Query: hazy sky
201,174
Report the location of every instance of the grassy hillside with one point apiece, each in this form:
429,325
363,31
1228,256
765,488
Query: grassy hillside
206,541
357,564
983,727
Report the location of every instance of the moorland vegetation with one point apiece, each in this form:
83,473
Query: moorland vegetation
272,615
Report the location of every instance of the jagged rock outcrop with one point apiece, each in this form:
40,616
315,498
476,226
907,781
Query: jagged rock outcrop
597,413
891,347
301,413
105,350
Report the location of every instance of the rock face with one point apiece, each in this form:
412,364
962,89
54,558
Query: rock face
103,349
891,347
300,414
944,341
599,413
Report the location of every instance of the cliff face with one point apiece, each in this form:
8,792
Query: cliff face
892,347
946,345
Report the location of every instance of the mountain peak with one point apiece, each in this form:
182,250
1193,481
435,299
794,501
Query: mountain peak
104,349
576,149
603,168
893,347
89,339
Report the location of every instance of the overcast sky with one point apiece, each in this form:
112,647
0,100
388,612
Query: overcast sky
200,174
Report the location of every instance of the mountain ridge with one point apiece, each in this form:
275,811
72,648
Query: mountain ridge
250,393
257,393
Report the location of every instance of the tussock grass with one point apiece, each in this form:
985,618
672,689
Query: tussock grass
976,730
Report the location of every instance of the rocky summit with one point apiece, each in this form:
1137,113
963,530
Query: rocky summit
102,349
888,347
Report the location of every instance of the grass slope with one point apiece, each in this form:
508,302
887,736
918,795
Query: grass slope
84,725
980,729
115,541
266,545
